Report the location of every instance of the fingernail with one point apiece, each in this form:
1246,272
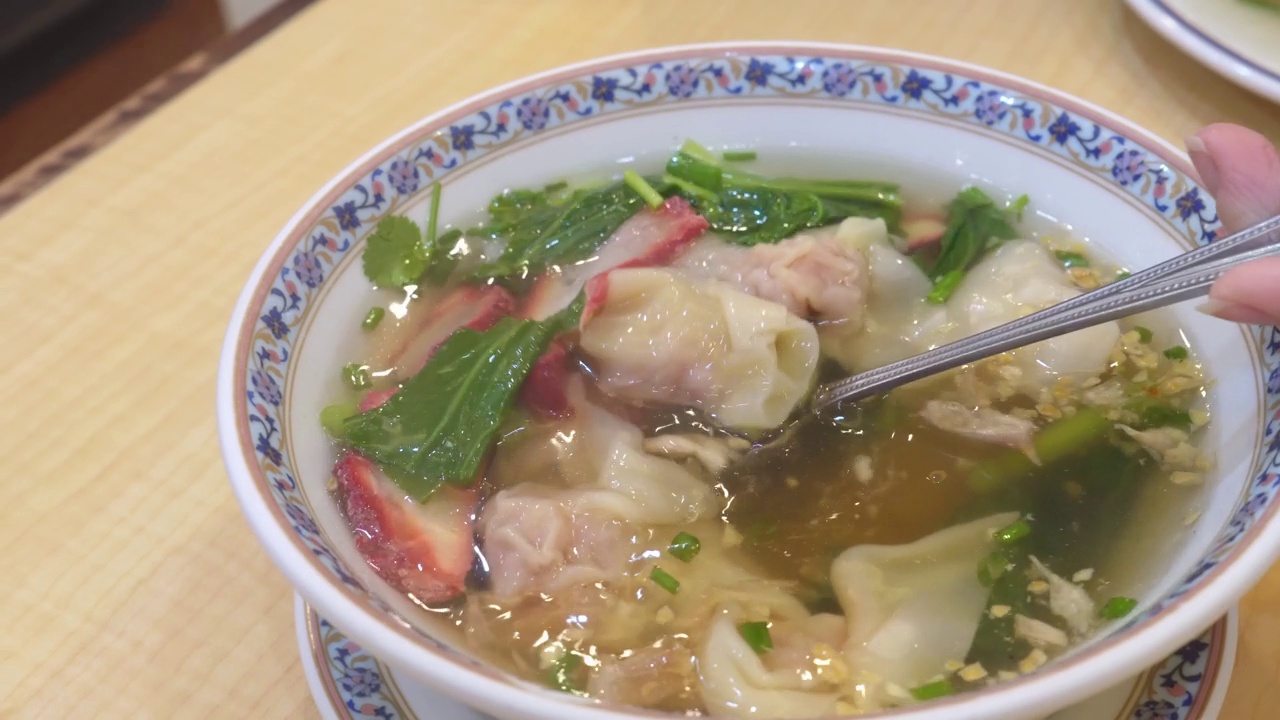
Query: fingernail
1234,312
1205,166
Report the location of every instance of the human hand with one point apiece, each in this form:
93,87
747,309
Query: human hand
1241,170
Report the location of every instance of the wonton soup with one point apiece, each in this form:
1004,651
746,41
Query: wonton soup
584,439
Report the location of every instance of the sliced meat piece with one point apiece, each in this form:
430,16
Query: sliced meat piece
421,549
545,390
649,238
982,424
375,398
1068,600
406,345
923,232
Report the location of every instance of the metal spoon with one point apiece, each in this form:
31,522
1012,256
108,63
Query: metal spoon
1182,278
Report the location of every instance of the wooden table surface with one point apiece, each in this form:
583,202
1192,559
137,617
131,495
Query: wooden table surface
133,586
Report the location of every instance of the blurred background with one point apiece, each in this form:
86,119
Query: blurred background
64,63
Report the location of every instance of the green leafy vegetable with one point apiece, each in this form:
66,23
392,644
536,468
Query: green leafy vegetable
665,580
1144,334
568,674
1117,607
684,547
1177,352
933,690
739,155
357,375
372,318
975,225
757,636
439,426
1013,532
1154,414
334,417
750,209
549,228
1071,259
651,197
944,286
1054,442
1123,275
394,255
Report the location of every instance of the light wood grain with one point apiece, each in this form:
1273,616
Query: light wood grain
132,586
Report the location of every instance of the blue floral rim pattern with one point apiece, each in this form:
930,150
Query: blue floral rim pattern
399,177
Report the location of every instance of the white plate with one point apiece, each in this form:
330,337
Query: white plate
1237,40
348,683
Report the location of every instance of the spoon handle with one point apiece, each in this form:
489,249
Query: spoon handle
1184,277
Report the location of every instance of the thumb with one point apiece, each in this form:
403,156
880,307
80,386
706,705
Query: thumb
1241,170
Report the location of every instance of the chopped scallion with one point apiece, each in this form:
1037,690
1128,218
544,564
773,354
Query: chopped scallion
933,690
944,286
992,567
430,240
566,674
1177,352
1013,532
739,155
1144,334
652,197
665,580
757,635
1019,205
684,547
357,375
1117,607
333,418
1123,275
1071,259
372,318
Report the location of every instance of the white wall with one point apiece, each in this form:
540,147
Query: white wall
238,13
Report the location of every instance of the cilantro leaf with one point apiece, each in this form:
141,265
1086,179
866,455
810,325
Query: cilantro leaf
438,428
394,255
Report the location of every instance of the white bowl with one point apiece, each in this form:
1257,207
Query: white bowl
899,114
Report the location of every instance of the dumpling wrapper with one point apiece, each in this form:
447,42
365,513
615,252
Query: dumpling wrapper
913,607
661,337
735,682
1019,278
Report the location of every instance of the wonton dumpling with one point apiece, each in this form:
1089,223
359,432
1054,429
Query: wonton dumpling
913,607
898,322
660,336
818,274
736,683
1021,277
602,455
1016,280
